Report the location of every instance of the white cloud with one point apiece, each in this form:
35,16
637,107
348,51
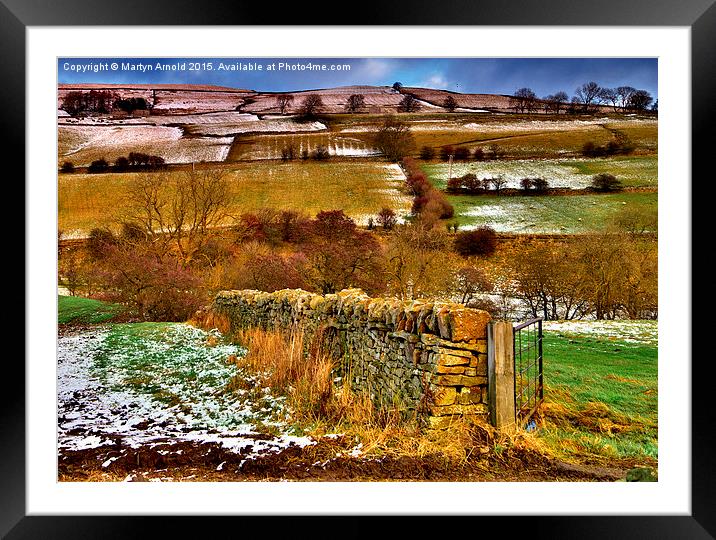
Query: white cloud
436,80
375,68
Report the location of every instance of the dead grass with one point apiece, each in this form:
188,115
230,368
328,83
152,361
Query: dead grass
322,408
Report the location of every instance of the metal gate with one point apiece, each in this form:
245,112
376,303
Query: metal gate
529,388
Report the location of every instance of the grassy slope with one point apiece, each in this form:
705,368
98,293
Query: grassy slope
74,309
548,214
600,397
358,187
633,171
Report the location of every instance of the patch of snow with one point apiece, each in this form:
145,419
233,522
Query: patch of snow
158,389
637,332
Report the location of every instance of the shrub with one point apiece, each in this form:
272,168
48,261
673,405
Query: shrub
99,241
394,139
158,289
481,241
606,182
321,153
67,167
478,154
472,183
288,153
291,226
418,184
462,153
132,232
454,185
540,184
469,183
250,227
446,152
121,164
427,153
589,149
98,166
387,219
526,184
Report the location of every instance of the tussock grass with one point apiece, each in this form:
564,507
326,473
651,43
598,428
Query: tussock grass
323,408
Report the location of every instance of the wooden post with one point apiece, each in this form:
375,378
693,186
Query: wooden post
501,375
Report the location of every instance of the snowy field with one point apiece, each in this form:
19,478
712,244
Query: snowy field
574,173
636,332
83,144
159,384
214,123
179,138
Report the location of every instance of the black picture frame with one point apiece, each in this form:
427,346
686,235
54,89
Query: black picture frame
699,15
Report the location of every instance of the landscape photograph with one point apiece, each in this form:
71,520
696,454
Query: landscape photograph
357,269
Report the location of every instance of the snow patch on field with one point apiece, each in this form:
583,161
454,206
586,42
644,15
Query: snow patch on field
156,386
84,144
559,173
637,332
394,172
271,147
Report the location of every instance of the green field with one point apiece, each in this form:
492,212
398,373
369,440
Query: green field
548,213
75,309
360,188
601,389
633,171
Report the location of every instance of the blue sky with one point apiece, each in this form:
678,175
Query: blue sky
477,75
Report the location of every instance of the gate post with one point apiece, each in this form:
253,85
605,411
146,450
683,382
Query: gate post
501,375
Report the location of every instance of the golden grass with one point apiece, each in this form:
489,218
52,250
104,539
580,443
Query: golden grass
322,408
359,188
517,143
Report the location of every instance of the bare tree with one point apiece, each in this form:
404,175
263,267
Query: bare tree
525,100
394,139
175,212
283,102
311,105
355,103
640,100
624,95
560,98
387,218
450,104
588,95
610,95
408,104
553,102
498,182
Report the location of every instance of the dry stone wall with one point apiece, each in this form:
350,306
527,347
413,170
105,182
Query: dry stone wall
427,357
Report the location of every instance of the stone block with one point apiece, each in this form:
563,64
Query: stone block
468,324
454,352
451,360
454,370
460,380
477,408
470,395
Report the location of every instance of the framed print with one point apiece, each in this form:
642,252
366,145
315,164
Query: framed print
407,267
